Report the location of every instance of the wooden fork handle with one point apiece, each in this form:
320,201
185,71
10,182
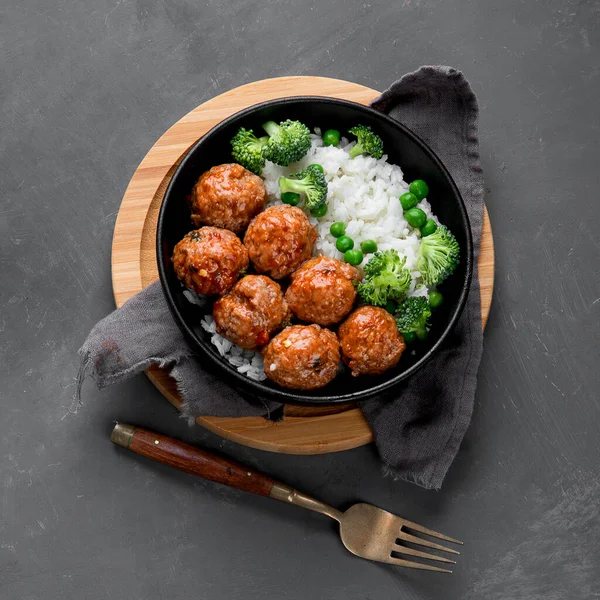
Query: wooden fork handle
190,459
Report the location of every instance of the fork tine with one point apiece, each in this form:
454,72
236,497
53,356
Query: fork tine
399,562
421,542
435,534
404,550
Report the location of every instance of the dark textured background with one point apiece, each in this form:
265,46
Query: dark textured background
85,89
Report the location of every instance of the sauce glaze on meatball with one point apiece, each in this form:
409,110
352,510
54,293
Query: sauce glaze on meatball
209,260
279,240
251,312
302,357
227,196
370,341
322,290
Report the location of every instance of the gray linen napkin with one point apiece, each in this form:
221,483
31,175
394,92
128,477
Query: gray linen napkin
418,431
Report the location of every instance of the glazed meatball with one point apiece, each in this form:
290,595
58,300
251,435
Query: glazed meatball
303,357
227,196
209,260
279,240
251,312
370,341
322,290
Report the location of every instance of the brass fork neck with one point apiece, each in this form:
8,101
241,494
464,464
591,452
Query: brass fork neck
288,494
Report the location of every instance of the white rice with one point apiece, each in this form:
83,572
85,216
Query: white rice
362,193
248,362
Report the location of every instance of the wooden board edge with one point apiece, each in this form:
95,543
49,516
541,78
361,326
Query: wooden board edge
232,428
486,265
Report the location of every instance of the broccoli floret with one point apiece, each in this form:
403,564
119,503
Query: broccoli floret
311,183
247,149
439,255
412,317
385,278
288,142
368,142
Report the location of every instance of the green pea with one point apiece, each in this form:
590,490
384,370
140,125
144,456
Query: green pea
368,246
331,137
409,336
337,229
344,243
408,201
290,198
415,217
429,227
353,257
320,211
435,299
316,166
391,306
419,188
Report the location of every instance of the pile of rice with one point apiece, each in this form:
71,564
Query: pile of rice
363,194
248,362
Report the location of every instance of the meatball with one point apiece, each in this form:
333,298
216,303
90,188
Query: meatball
227,196
322,290
370,341
251,312
279,240
303,357
209,260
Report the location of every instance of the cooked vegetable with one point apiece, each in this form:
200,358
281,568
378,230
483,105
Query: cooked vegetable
419,188
429,227
391,306
344,243
353,257
439,255
288,142
320,211
385,278
316,166
367,142
412,317
290,198
415,217
310,182
247,150
337,229
368,246
408,201
435,299
331,137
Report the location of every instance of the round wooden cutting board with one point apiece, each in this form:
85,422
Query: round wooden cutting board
304,430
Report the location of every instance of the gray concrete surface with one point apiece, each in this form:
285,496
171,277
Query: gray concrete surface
85,89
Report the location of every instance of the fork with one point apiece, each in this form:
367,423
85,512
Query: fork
365,530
